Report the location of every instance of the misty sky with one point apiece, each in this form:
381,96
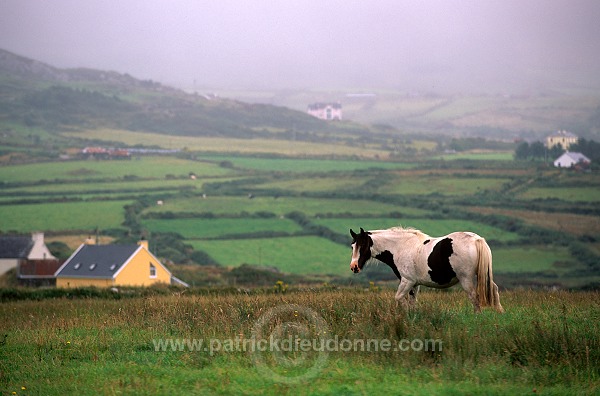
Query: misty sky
403,44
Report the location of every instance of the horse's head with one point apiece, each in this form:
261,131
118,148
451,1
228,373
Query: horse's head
361,249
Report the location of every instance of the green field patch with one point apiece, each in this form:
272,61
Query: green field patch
315,184
102,188
439,184
213,228
533,259
479,156
571,194
307,165
62,216
294,255
431,227
280,206
228,145
141,167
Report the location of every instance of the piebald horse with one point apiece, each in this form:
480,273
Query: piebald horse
418,259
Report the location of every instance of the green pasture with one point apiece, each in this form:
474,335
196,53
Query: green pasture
229,145
306,165
117,187
444,185
570,194
431,227
157,167
294,255
62,216
478,156
316,184
219,205
548,259
219,227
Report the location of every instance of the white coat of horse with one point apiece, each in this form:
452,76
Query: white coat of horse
418,259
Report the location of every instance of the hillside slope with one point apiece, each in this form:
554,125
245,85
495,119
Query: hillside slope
39,95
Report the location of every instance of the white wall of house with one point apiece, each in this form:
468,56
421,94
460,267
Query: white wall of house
39,251
7,264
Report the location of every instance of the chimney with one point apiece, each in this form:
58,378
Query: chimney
144,243
89,241
37,236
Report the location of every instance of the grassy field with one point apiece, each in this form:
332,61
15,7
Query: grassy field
278,205
573,194
142,167
348,341
307,206
295,165
442,185
298,255
62,216
229,145
212,228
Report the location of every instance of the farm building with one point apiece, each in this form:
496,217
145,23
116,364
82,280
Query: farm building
28,254
105,153
564,138
570,159
113,265
326,111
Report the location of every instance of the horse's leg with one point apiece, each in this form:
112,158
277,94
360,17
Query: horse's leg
469,286
404,288
412,295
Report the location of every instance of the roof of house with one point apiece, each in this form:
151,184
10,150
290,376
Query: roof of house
15,247
97,261
317,106
575,157
563,134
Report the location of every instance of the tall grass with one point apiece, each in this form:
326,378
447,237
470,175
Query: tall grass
547,341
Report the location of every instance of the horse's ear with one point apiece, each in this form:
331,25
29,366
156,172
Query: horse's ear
361,230
353,234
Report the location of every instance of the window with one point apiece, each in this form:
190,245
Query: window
76,266
112,267
152,271
92,266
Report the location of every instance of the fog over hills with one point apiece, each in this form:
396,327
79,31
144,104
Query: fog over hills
439,46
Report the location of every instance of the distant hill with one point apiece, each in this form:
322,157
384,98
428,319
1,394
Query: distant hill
35,94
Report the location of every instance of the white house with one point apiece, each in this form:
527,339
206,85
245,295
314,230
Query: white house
570,159
325,111
15,250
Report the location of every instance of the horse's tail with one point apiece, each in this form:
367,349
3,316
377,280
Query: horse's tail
487,291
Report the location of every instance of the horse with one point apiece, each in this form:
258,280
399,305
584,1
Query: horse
418,259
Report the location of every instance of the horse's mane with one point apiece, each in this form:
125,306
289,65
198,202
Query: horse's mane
400,230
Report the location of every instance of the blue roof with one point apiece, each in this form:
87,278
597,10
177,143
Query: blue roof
97,261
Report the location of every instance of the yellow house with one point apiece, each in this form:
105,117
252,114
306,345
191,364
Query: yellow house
112,265
564,138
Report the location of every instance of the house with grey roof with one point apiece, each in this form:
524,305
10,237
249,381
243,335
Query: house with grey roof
571,159
17,249
113,265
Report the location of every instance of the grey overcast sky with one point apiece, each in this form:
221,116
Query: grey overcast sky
412,44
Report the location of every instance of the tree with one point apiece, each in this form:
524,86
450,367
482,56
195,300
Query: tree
522,151
537,150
